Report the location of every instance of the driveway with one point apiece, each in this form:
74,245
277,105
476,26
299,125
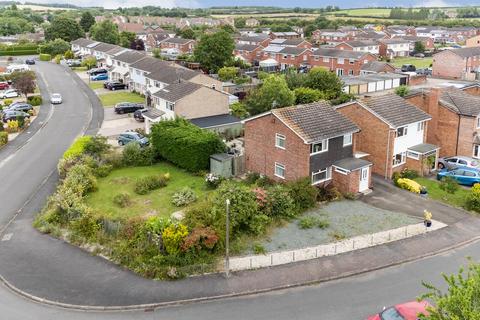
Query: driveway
114,124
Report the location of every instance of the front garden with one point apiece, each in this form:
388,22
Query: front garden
112,98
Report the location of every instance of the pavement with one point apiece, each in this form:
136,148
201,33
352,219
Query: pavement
51,271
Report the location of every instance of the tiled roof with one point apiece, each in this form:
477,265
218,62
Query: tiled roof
394,110
246,47
460,102
171,74
293,50
361,43
467,52
393,41
116,50
215,121
256,38
177,91
150,64
130,56
82,42
337,53
104,47
375,66
315,121
351,164
177,40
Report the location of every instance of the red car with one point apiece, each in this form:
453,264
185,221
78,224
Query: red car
4,86
405,311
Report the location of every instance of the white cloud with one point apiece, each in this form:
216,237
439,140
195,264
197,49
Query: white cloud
113,4
436,3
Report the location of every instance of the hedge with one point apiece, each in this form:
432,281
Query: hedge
45,57
35,100
77,148
185,144
18,52
3,138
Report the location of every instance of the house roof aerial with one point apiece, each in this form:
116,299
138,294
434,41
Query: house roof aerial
460,102
150,64
177,91
467,52
130,56
394,110
338,53
171,74
246,47
376,66
315,121
104,47
82,42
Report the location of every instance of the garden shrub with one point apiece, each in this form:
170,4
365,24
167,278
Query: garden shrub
200,238
45,57
96,146
280,203
395,177
200,215
122,200
212,181
449,185
409,174
328,193
303,194
77,148
252,177
7,102
184,144
80,179
136,156
409,185
34,100
307,222
183,197
146,184
173,237
473,199
258,248
21,122
3,138
85,227
113,159
103,170
13,126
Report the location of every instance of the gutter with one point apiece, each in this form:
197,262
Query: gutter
458,134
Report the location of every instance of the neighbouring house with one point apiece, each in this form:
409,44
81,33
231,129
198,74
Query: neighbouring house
258,39
330,36
370,46
371,35
455,124
141,68
187,100
250,53
252,23
184,46
342,62
296,42
395,47
306,141
393,134
287,56
285,35
373,82
376,67
83,47
428,43
473,41
461,63
121,65
153,40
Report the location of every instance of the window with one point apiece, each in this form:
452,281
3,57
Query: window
350,72
280,141
322,175
340,170
399,159
340,60
421,126
478,122
339,72
347,140
319,147
170,106
476,151
280,170
325,59
351,61
413,155
401,132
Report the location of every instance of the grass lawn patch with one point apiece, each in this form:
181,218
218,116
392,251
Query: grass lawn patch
158,202
419,63
79,69
95,85
457,199
110,99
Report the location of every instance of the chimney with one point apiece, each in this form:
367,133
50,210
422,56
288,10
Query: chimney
433,99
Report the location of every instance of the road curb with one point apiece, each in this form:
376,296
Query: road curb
152,306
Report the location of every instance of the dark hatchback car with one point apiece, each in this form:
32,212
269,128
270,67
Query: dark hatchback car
138,115
127,107
30,61
97,71
115,85
14,115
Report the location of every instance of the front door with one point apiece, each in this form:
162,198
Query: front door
364,175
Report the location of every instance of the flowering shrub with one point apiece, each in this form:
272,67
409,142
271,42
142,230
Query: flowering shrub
200,238
409,185
173,237
183,197
473,199
77,148
13,126
3,138
212,180
261,195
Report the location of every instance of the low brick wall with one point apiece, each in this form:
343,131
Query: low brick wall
347,245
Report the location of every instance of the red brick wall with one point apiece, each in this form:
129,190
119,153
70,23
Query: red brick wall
416,80
343,46
346,182
183,48
473,90
250,56
333,64
261,153
296,60
448,65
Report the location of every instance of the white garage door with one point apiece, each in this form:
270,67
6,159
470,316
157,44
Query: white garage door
380,85
396,83
388,84
372,87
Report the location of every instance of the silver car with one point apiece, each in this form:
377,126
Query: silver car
457,161
56,98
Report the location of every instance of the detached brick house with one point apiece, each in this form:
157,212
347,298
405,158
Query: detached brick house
370,46
455,124
287,56
457,64
330,36
395,47
393,134
248,52
342,62
311,140
182,45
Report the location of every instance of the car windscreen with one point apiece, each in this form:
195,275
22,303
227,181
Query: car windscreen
391,314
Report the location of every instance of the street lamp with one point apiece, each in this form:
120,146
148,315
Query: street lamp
227,240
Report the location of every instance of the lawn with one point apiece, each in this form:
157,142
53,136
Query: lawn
369,12
420,63
433,187
95,85
79,69
157,202
110,99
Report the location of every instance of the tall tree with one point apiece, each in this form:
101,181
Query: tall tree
87,21
186,33
137,44
273,93
323,80
213,51
24,82
57,46
126,39
419,47
63,28
105,31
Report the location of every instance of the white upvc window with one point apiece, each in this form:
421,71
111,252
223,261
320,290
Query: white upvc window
340,61
279,170
478,122
347,139
319,147
476,151
351,61
326,59
421,126
402,131
170,106
413,155
280,141
340,170
399,159
322,175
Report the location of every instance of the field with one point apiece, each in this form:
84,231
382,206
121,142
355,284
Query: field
157,202
365,12
40,8
110,99
419,63
273,16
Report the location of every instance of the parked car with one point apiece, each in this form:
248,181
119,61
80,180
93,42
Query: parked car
30,61
99,77
408,68
95,71
74,63
4,85
127,107
419,55
464,175
56,98
405,311
116,85
138,115
22,106
10,93
14,115
132,136
457,161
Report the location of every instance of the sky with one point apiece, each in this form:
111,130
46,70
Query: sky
280,3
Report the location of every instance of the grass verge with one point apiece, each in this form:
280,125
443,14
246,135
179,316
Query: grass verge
457,199
419,63
110,99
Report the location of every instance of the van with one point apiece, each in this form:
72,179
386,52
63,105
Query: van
17,68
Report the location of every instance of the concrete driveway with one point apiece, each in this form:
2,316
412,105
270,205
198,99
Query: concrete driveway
114,124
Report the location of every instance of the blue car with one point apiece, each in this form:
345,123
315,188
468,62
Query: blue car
99,77
464,175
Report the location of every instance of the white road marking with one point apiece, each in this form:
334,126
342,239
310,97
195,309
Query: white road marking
7,237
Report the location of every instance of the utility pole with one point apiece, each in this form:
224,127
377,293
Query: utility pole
227,240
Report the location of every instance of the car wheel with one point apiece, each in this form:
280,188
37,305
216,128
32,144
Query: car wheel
441,166
113,88
121,143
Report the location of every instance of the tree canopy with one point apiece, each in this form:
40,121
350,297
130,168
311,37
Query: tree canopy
87,21
273,93
57,46
126,39
105,31
213,51
323,80
63,28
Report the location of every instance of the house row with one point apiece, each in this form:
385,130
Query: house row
463,63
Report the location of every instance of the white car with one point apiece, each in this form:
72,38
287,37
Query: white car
10,93
56,98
